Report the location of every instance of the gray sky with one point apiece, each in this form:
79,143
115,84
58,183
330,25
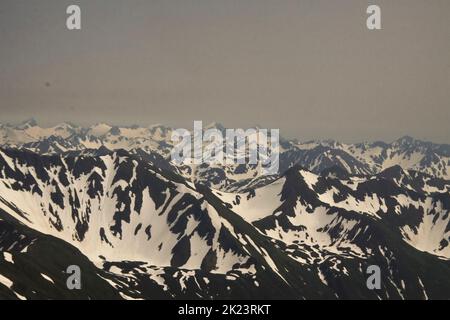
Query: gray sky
308,67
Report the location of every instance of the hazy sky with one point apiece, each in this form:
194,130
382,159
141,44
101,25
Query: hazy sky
308,67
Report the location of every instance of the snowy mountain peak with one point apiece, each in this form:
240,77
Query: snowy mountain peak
65,125
214,125
99,129
30,123
406,141
142,224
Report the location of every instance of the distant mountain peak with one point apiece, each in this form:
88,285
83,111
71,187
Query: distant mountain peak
66,124
406,140
214,125
30,123
101,124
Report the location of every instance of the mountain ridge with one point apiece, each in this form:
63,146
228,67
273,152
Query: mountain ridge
111,200
316,156
313,237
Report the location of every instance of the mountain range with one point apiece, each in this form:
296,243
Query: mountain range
109,200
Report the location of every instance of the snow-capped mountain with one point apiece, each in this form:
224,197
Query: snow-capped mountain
371,158
139,230
316,156
302,207
110,200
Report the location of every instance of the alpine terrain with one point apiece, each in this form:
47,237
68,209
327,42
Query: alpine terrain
109,200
